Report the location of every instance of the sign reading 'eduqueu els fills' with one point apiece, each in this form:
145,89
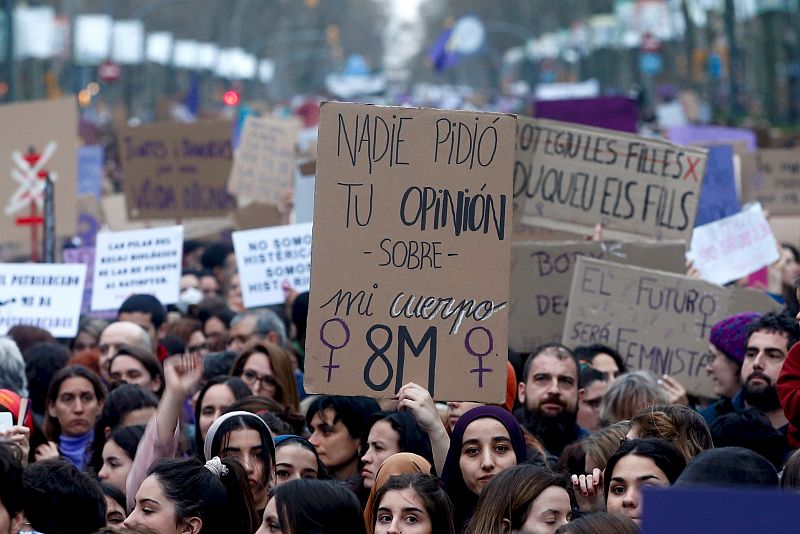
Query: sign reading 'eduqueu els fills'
412,238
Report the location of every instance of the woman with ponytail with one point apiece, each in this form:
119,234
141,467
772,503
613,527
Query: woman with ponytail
189,497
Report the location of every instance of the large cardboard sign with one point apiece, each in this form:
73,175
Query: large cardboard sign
541,276
412,242
580,176
137,261
50,127
176,170
657,321
776,182
264,163
43,295
733,247
268,258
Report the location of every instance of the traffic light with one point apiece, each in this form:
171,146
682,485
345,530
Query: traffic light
231,97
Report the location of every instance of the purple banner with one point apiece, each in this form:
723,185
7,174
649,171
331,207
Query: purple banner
612,112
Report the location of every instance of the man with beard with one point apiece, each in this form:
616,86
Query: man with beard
768,342
548,396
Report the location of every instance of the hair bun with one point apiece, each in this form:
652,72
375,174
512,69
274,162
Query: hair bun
215,466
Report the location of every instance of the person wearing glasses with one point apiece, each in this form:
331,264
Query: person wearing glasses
267,371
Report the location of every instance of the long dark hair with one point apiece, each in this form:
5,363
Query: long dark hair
411,437
237,387
52,428
289,440
127,438
665,455
437,503
286,390
223,503
144,357
318,507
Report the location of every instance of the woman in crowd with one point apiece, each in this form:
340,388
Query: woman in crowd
603,359
628,395
134,365
389,433
675,423
398,464
295,458
486,441
523,499
267,371
637,464
74,402
214,398
118,454
599,447
187,496
318,506
412,503
115,505
245,437
599,523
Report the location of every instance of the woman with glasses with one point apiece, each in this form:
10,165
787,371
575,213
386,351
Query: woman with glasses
267,371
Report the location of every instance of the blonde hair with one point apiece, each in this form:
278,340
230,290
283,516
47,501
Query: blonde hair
600,445
629,394
678,424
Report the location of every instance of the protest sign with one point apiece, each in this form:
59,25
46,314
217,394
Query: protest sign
50,128
267,258
412,238
657,321
580,176
90,170
712,135
137,261
739,510
718,196
733,247
46,295
174,170
776,182
264,163
612,112
541,275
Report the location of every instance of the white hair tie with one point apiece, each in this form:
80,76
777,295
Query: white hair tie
215,466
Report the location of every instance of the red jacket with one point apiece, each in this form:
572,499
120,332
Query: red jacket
789,393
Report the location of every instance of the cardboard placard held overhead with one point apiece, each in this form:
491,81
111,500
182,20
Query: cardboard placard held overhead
137,261
174,170
636,187
264,163
658,321
776,183
541,276
412,241
45,295
50,127
267,258
733,247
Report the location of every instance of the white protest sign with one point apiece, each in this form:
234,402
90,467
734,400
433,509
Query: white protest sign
269,257
733,247
44,295
134,262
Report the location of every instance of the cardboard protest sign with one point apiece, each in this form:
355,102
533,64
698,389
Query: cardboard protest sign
174,170
658,321
267,258
776,183
541,276
412,238
718,509
718,197
733,247
580,176
138,261
264,163
47,295
50,128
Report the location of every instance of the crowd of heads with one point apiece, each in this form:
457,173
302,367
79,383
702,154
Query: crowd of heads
193,418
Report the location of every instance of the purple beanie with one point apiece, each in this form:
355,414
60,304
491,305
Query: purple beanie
730,334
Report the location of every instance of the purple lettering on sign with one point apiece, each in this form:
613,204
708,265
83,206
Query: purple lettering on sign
330,367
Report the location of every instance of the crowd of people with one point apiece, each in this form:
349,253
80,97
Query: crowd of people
193,418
